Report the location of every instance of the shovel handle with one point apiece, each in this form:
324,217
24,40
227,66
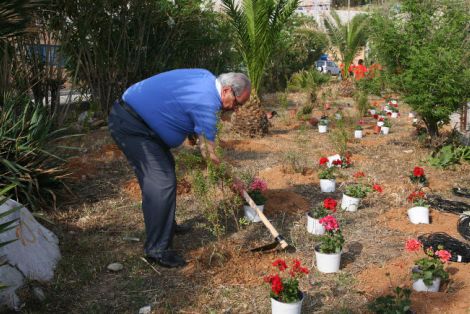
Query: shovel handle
265,221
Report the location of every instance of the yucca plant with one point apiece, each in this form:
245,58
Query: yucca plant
348,38
26,158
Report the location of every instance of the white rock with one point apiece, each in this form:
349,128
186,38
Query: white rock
145,310
115,266
13,279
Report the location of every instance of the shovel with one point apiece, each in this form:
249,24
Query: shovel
280,242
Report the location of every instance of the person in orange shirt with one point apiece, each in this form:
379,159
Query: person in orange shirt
360,70
351,69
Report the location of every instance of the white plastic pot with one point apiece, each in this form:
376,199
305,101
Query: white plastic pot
419,285
394,115
327,263
419,215
349,203
372,111
286,308
314,226
380,123
385,130
250,213
358,134
327,185
322,128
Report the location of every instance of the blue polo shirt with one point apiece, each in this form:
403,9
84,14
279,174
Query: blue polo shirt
177,103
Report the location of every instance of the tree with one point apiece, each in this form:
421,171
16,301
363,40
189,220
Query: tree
349,37
429,58
257,25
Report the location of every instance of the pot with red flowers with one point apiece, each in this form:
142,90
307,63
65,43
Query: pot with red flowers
418,176
316,213
256,190
428,271
419,213
286,297
354,193
327,176
328,252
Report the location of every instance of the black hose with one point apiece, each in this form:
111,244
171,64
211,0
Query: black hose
463,226
441,204
461,192
460,251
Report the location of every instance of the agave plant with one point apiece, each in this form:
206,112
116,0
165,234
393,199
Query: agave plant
348,38
26,159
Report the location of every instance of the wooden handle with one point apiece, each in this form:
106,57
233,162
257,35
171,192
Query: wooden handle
265,220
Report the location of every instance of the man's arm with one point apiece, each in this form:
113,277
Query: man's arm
208,149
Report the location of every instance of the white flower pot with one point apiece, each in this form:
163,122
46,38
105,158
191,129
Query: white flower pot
286,308
349,203
327,263
358,134
250,213
380,123
314,226
372,111
322,128
415,120
385,130
327,186
411,115
419,215
394,115
419,285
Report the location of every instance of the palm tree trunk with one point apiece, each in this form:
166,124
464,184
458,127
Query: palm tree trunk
250,119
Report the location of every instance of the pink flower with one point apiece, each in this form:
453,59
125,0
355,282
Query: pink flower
377,188
413,245
280,263
258,185
330,223
443,255
361,122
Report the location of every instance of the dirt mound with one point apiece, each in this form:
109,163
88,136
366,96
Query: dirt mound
132,189
453,297
285,202
81,168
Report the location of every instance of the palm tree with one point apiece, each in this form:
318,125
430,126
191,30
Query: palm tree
348,38
15,16
257,25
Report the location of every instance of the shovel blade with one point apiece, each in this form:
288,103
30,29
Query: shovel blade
275,246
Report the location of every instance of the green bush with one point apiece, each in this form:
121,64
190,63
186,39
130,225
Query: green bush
449,155
26,158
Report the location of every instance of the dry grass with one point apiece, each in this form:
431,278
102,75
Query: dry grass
221,277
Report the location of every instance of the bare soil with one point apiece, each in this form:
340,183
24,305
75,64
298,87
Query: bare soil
222,276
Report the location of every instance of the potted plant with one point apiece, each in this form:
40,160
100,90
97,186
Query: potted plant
355,192
394,112
428,271
358,131
328,252
327,176
323,126
372,111
285,294
418,176
419,213
380,121
386,126
316,213
255,190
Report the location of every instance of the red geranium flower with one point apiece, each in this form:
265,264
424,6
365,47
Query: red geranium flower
323,160
418,172
280,263
337,162
378,188
297,268
389,113
413,245
415,195
443,255
376,116
330,204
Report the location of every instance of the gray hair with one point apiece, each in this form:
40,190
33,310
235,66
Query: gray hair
239,82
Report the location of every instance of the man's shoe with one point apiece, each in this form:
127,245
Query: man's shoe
168,259
182,228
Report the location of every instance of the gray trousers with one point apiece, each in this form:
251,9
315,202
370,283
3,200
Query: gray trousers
154,167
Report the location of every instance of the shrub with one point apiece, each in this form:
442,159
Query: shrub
26,156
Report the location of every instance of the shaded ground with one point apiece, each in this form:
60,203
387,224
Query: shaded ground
221,276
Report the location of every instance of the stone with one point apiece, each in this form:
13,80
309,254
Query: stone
145,310
115,267
39,294
12,279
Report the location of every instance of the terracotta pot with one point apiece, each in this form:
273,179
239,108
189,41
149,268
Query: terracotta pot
292,113
377,129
